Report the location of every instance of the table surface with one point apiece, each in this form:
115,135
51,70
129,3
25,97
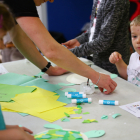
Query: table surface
124,127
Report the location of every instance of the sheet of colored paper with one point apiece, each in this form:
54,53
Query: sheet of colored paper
64,84
40,104
9,91
14,79
69,90
95,133
40,82
62,97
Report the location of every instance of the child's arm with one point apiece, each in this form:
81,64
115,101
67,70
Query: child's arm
116,58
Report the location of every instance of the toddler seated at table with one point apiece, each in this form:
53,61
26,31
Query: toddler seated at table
130,72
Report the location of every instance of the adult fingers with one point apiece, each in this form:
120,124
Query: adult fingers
27,130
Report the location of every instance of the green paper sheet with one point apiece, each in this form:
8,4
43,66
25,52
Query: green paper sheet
64,84
86,121
65,120
14,79
78,106
39,74
95,133
79,111
9,91
62,97
40,82
46,136
69,90
52,126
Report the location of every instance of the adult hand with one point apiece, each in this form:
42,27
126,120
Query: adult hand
71,43
105,82
115,57
56,71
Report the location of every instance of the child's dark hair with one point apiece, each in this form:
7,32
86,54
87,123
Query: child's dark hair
135,21
6,18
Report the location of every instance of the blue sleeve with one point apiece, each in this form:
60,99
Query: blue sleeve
2,123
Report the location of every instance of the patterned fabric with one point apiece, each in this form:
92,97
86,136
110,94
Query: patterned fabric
133,69
111,34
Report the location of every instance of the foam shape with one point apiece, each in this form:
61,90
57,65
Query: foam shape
52,126
95,133
116,115
76,79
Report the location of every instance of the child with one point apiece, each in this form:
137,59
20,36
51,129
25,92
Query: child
108,32
9,132
132,71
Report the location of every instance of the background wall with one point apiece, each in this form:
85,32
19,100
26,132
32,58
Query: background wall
68,16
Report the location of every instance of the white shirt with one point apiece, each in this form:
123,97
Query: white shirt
133,69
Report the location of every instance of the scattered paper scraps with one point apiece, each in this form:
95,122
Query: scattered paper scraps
77,117
79,111
67,114
65,120
52,126
69,90
89,121
86,113
64,84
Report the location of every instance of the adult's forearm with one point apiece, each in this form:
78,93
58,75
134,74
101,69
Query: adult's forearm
53,50
27,47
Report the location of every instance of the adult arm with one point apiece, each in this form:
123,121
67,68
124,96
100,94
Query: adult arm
107,32
54,51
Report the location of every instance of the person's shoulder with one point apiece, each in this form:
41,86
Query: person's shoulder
134,55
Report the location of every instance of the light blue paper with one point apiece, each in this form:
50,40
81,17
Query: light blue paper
23,114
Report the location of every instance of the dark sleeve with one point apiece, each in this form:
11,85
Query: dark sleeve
21,8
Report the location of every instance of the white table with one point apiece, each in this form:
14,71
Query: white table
125,127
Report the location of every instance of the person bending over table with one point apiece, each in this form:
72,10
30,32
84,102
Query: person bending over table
30,30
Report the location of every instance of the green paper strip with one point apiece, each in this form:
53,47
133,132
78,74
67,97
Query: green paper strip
79,111
86,121
116,115
39,74
104,117
67,114
86,113
112,76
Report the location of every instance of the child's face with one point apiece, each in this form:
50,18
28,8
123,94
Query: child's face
39,2
135,35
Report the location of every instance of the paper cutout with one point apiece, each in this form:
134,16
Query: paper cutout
65,120
77,136
112,76
46,136
95,133
67,114
86,113
23,114
116,115
52,126
79,111
89,121
39,74
78,106
64,84
104,117
77,117
69,90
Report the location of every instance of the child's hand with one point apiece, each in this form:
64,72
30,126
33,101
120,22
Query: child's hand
115,57
71,43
